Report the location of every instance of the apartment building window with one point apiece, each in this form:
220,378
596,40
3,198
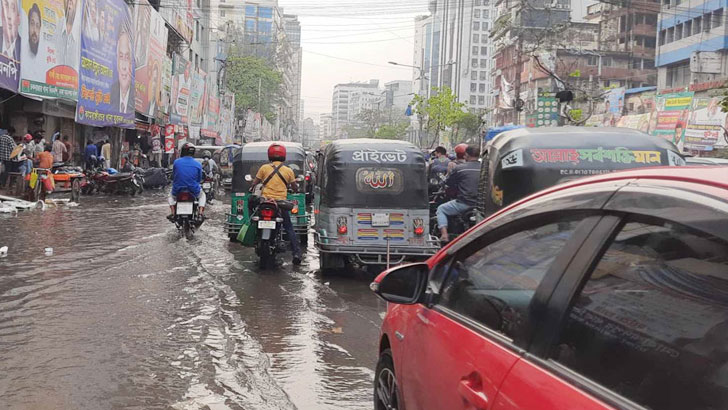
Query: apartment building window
477,2
650,19
483,75
707,20
476,25
663,34
486,26
474,63
697,25
718,18
472,99
483,63
481,100
486,2
265,12
592,61
475,50
670,35
678,32
484,51
481,88
476,38
250,10
688,30
473,87
473,75
486,14
678,75
648,64
476,13
222,13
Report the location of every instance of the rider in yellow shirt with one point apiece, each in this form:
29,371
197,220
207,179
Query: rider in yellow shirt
276,188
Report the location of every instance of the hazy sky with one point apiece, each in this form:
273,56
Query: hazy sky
370,33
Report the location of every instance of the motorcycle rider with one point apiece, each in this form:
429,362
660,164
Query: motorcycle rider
277,189
464,177
187,175
439,162
209,167
459,157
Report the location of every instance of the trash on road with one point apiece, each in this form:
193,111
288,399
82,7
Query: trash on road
49,251
3,251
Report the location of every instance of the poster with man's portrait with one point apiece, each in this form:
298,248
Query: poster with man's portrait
10,51
149,54
106,81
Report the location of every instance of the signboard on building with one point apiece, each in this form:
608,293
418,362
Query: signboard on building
149,52
106,77
672,116
708,62
181,83
705,124
546,113
51,47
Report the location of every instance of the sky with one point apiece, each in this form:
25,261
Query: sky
349,40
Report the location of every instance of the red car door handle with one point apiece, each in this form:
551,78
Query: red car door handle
472,395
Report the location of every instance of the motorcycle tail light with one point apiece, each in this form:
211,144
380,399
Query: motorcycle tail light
267,214
308,177
184,196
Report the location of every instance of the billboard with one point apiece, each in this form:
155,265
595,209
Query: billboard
149,54
180,88
106,78
11,43
671,116
166,84
705,125
198,103
51,47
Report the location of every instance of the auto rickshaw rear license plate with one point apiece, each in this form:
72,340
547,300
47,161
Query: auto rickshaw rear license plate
380,219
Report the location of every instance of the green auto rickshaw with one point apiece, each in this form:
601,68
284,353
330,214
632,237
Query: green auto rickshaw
246,162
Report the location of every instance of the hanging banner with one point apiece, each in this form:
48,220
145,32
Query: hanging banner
106,80
613,106
10,51
705,124
169,139
50,34
226,122
149,54
672,116
636,122
212,113
181,82
166,84
198,103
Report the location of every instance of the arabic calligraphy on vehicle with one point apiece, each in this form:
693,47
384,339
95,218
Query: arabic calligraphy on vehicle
379,180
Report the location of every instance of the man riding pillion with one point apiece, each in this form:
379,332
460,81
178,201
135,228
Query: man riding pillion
459,157
464,177
187,175
208,164
279,177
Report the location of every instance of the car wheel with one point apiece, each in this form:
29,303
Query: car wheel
386,387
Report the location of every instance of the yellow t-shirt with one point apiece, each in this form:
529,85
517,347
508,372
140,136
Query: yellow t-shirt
275,188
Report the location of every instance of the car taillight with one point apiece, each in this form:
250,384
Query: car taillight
267,214
418,224
341,226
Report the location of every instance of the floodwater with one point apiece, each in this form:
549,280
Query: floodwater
127,314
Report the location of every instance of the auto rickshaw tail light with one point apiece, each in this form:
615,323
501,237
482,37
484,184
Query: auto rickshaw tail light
343,229
418,224
294,210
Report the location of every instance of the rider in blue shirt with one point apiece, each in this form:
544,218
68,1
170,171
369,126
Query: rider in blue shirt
186,176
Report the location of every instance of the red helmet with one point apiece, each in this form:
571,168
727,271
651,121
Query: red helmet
276,152
460,150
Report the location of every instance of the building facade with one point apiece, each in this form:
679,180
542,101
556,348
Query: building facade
349,100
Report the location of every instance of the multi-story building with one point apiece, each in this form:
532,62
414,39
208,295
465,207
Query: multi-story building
326,126
293,34
691,31
426,49
398,95
349,100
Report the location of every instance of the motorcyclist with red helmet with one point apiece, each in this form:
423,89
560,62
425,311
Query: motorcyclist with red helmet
278,178
187,175
459,157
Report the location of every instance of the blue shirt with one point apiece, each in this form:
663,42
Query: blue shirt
90,150
187,174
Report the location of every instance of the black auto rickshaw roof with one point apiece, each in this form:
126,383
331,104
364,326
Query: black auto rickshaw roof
577,137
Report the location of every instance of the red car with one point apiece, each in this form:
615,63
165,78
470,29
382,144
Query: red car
604,293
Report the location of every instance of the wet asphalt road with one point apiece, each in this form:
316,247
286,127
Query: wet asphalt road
127,314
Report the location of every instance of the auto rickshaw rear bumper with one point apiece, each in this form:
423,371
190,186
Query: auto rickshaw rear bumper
377,253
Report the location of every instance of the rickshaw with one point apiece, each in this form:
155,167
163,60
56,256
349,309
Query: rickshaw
520,162
246,164
62,178
371,204
227,154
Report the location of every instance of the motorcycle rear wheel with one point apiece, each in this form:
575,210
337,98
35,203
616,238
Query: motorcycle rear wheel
187,229
265,253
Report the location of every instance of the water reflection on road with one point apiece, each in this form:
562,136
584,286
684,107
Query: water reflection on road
126,314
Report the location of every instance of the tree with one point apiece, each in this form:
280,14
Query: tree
442,109
467,122
394,131
370,119
256,84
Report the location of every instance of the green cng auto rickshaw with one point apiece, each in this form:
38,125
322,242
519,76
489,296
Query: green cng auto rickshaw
520,162
371,204
246,163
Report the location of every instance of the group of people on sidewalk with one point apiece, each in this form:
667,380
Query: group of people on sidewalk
21,155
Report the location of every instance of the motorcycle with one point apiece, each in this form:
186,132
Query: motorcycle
269,238
456,225
208,186
186,214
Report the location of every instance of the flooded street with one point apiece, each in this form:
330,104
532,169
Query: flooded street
126,314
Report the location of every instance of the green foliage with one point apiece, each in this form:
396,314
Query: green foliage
394,131
442,109
370,118
246,76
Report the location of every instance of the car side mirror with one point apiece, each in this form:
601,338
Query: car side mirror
248,178
403,285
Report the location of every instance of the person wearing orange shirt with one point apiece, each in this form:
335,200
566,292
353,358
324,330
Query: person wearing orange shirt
45,158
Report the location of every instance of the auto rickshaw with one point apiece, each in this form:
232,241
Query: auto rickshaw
246,163
520,162
227,155
371,204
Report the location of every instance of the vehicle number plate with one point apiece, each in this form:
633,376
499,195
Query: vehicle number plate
266,224
184,208
380,219
206,185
